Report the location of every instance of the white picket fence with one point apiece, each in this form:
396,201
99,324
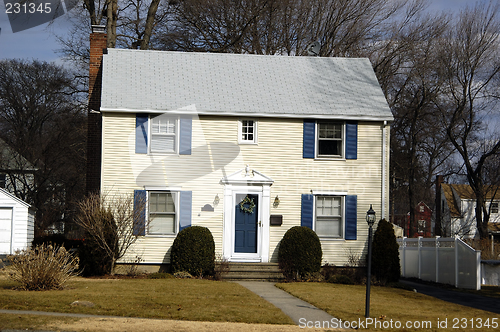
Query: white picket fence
444,260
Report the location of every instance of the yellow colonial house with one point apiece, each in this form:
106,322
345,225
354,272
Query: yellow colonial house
245,145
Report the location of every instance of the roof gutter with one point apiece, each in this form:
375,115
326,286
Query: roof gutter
192,111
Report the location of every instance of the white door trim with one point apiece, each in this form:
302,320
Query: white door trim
262,254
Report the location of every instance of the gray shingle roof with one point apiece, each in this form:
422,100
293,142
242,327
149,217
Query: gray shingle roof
236,84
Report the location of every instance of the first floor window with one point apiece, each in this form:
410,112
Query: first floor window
162,213
494,207
421,226
164,133
328,221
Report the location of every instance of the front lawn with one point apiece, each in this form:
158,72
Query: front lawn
182,299
420,312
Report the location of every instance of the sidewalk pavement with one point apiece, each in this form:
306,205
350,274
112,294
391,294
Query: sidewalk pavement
466,299
299,311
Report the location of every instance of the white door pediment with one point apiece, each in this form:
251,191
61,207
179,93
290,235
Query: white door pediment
248,177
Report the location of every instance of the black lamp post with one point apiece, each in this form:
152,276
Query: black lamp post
370,219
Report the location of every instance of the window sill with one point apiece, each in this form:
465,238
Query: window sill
248,143
330,238
330,158
161,235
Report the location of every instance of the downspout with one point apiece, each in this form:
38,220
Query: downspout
384,167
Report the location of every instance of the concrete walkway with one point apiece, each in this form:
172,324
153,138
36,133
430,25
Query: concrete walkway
299,311
486,303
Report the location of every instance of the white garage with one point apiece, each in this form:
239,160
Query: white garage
16,223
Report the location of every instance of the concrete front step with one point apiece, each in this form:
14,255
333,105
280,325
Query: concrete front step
253,272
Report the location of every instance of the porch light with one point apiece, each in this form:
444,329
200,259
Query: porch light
276,201
370,219
216,200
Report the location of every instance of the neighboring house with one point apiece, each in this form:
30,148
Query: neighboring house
458,214
16,223
17,175
246,145
423,220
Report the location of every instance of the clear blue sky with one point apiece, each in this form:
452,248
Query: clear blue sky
40,42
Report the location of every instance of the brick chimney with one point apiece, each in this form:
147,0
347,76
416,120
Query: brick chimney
98,39
437,226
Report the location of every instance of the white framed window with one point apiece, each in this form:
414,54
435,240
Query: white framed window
162,213
421,226
164,133
494,207
330,139
247,131
329,215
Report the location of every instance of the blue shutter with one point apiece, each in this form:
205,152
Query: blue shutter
351,140
306,217
351,217
186,128
139,212
309,139
186,200
141,133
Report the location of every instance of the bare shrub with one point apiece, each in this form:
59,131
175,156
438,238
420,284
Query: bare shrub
42,268
112,224
221,267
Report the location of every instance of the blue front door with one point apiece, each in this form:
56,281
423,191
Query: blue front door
246,219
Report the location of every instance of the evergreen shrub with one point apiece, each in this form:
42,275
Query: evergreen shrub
299,253
385,254
193,251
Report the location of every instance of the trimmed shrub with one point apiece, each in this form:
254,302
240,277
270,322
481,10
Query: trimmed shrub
193,251
385,254
42,268
299,253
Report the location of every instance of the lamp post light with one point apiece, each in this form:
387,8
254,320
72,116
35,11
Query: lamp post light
370,219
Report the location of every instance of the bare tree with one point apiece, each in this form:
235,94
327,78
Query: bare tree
470,63
41,123
112,223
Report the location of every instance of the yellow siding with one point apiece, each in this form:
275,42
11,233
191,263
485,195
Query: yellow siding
278,155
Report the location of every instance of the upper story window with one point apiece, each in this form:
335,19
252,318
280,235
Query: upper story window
247,131
164,134
162,213
330,137
494,207
328,221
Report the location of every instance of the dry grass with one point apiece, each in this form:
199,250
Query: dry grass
347,302
192,299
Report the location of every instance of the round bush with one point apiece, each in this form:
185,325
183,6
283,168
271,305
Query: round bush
385,254
299,252
193,251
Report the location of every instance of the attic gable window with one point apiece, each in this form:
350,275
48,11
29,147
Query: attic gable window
247,132
164,134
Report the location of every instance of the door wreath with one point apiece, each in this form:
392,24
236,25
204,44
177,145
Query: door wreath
250,207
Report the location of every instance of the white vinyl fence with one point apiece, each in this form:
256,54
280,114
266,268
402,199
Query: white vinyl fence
444,260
